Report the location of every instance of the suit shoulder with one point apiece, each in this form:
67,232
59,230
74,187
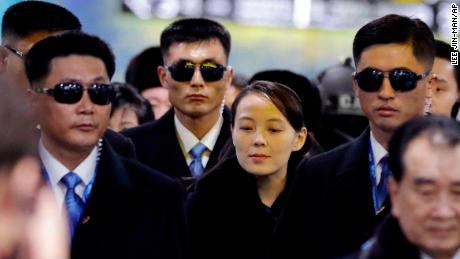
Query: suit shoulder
143,175
140,130
329,158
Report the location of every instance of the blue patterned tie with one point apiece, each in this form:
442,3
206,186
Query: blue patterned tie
196,167
73,202
382,189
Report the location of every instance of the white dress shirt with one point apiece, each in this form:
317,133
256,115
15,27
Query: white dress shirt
379,152
188,140
56,170
426,256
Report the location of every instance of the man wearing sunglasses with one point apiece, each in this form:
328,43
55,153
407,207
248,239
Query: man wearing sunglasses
116,207
341,195
23,25
188,138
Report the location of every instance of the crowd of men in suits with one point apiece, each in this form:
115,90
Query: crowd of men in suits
125,195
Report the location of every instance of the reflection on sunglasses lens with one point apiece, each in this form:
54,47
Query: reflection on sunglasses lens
184,71
70,93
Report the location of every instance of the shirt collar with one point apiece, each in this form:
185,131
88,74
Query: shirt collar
189,140
56,170
426,256
377,149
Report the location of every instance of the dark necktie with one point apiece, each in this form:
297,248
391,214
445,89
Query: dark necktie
382,188
196,167
73,202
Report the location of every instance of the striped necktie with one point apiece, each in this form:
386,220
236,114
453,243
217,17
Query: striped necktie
73,202
196,166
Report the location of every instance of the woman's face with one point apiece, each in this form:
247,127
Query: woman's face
263,137
123,118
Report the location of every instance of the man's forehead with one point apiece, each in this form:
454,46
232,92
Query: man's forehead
390,56
423,158
208,49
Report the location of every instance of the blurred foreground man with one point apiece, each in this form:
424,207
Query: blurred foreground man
425,193
31,226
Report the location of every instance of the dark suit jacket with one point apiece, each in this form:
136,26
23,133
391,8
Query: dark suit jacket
390,242
227,218
121,144
330,211
158,147
132,212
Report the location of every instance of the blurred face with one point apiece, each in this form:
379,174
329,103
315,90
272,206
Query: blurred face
263,137
386,108
427,200
196,98
14,72
74,127
123,118
445,90
159,99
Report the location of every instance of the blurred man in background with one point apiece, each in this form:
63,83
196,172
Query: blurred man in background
446,84
23,25
142,74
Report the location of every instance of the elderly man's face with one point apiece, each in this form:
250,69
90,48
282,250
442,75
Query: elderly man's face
427,199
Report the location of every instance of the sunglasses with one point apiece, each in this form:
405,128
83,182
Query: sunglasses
15,51
183,71
370,79
69,93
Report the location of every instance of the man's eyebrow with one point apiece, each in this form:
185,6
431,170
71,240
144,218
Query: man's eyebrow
418,180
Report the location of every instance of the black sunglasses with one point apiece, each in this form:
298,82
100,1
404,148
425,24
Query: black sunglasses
69,93
183,71
370,79
15,51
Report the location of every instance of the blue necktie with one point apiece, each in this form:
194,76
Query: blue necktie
73,202
196,167
382,189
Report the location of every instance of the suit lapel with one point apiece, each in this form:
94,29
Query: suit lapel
111,190
170,153
353,183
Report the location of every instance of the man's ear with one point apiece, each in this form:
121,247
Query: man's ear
393,191
229,79
161,72
3,58
355,84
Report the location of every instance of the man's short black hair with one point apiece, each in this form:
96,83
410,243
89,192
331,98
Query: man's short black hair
128,96
305,90
142,69
397,29
194,30
39,58
444,50
439,130
28,17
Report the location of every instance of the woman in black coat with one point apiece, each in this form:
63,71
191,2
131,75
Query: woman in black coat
236,205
